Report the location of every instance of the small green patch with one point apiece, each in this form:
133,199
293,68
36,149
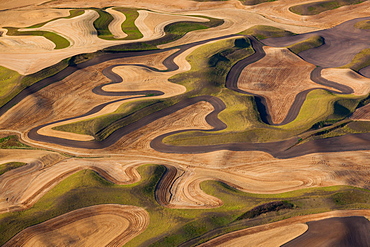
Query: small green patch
264,32
12,142
318,7
311,42
9,79
10,166
360,61
365,24
255,2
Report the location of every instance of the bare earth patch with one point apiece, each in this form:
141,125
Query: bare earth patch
278,77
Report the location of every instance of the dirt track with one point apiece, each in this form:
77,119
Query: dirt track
101,225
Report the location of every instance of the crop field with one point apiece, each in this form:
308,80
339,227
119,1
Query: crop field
185,123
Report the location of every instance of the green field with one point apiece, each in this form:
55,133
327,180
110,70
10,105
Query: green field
87,188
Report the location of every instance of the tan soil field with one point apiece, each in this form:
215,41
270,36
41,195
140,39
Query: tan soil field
224,239
270,238
359,84
101,225
275,78
115,26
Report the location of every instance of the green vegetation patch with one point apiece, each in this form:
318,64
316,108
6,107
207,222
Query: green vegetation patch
255,2
311,42
9,79
72,13
59,41
264,32
12,142
128,26
318,7
87,188
360,61
10,166
365,24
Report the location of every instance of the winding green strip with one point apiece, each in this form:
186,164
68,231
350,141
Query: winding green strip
101,24
87,188
318,7
72,13
59,41
128,26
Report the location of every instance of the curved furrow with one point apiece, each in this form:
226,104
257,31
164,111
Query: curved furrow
100,225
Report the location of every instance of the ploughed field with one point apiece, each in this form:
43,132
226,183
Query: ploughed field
184,123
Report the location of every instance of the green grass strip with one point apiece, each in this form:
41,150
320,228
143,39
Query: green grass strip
101,24
72,13
10,166
59,41
321,6
128,26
